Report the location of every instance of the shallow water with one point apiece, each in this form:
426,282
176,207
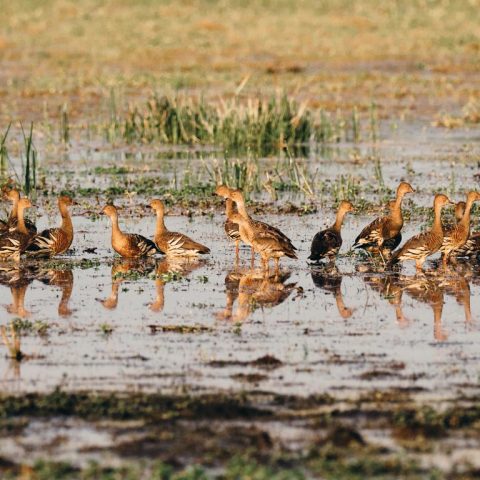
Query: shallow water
93,321
340,331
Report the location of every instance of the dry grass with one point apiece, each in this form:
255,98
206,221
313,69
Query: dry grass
411,56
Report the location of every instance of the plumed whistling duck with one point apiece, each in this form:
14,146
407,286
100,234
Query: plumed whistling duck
327,243
456,237
471,248
14,242
128,245
173,243
265,243
13,196
383,234
261,228
423,245
231,229
55,241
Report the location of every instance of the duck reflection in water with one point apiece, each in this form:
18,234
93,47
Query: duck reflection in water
331,282
168,269
62,279
427,288
389,287
17,278
125,270
253,289
457,285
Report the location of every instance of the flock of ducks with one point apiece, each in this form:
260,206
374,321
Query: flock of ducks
19,236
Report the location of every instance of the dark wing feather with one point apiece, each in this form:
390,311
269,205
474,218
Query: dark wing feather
371,235
180,243
392,243
275,232
49,242
325,243
142,245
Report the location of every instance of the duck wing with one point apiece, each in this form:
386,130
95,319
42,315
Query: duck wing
179,244
325,243
142,245
371,235
274,231
50,242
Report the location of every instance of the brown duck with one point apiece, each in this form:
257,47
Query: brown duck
265,243
128,245
261,229
383,234
173,243
456,237
327,243
231,229
13,196
55,241
15,241
423,245
471,248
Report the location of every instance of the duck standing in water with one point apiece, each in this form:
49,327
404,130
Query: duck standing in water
423,245
327,243
261,229
173,243
15,241
263,242
128,245
55,241
455,238
13,196
471,248
384,234
231,229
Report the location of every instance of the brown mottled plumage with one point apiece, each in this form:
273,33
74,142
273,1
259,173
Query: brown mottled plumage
265,243
55,241
421,246
456,237
13,196
14,242
174,243
231,229
327,243
128,245
471,247
383,234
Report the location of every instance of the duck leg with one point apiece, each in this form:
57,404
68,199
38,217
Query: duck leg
277,265
252,259
419,265
237,252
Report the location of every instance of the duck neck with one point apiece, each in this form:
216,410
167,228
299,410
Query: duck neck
437,220
14,211
465,221
21,221
160,227
396,213
337,226
115,228
66,219
229,207
247,226
242,210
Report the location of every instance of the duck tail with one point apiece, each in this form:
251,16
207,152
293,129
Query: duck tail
394,259
203,250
